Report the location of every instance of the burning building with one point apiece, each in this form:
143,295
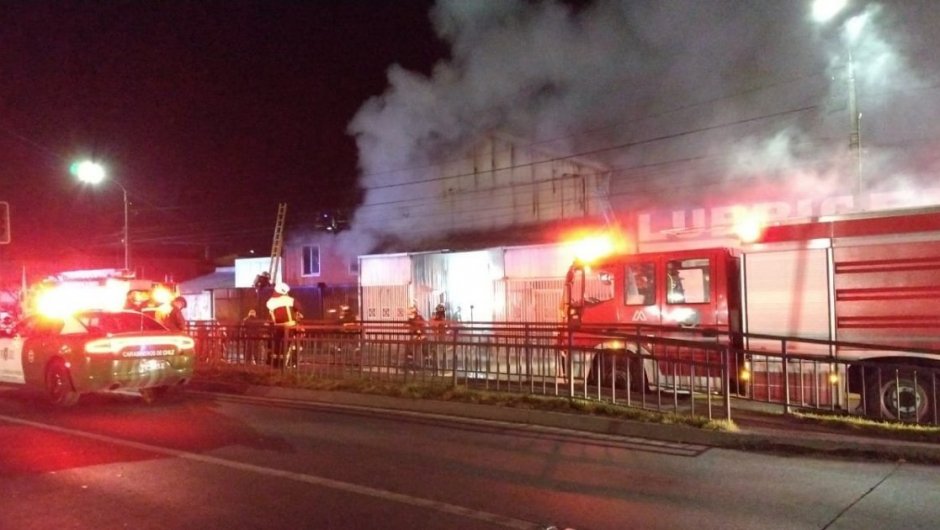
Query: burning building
673,120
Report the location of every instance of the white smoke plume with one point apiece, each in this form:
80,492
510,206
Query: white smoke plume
680,95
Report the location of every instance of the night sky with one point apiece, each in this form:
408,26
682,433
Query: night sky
209,113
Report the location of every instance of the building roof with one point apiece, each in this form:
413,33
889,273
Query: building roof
222,278
518,235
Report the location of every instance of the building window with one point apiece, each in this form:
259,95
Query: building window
354,266
311,261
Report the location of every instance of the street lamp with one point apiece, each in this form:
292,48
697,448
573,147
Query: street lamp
824,11
94,173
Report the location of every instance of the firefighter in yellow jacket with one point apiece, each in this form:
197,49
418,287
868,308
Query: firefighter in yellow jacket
285,312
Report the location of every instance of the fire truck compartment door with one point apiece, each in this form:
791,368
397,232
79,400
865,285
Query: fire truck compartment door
787,293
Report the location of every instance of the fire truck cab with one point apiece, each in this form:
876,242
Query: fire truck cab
858,290
689,295
693,288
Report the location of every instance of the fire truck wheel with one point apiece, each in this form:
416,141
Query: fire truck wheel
59,385
152,394
638,382
907,397
637,379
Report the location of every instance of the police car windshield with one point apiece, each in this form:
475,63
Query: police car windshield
118,322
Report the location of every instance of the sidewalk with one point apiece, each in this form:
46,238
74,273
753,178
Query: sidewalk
759,430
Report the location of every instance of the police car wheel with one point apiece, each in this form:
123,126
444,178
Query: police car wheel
59,385
152,394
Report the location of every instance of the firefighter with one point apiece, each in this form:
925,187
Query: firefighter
285,312
416,322
416,336
137,301
346,315
438,327
262,281
174,320
253,333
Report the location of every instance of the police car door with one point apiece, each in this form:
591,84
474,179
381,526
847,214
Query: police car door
11,358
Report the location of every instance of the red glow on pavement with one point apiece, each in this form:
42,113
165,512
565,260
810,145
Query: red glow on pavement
29,450
182,424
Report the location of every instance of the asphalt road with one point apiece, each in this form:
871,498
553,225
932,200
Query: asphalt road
223,462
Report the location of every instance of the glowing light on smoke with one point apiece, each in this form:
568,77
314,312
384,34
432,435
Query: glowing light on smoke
589,247
749,225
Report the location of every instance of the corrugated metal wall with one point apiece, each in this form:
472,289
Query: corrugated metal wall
529,300
542,261
540,300
462,281
520,284
385,302
384,284
387,269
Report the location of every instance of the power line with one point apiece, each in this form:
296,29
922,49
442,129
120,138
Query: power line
579,155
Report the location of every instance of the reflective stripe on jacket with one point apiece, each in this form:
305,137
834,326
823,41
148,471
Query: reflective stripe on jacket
281,307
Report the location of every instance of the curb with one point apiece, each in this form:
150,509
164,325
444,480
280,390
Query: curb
777,441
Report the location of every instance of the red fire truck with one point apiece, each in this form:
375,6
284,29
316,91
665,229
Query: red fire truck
862,291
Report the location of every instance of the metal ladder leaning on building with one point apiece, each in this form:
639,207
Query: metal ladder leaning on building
277,246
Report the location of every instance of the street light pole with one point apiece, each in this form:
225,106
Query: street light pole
127,232
825,11
94,173
855,137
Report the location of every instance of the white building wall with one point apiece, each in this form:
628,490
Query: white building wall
384,269
247,269
538,261
499,284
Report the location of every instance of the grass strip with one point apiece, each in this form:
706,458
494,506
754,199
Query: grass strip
263,376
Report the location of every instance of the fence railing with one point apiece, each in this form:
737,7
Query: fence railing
677,370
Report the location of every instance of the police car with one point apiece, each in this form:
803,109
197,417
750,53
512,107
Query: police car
96,350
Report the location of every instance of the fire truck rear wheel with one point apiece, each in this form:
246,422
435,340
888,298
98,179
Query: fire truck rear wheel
59,385
907,397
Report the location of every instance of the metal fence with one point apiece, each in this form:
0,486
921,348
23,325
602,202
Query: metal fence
531,358
678,370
